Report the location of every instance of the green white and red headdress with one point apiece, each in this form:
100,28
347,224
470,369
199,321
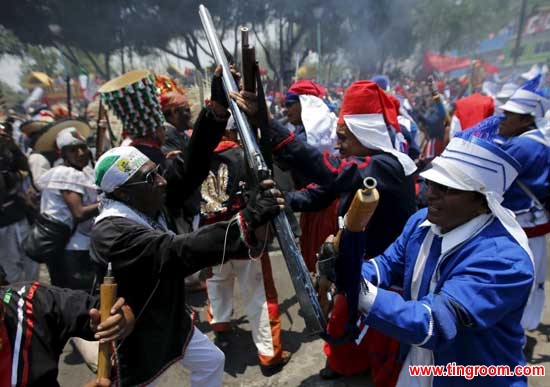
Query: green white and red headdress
134,98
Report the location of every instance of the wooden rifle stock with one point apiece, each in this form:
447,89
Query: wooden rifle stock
249,62
107,298
362,207
357,217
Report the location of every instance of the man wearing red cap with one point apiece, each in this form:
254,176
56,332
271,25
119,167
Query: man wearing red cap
177,112
366,132
315,124
470,111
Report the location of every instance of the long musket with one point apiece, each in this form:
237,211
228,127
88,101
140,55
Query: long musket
305,292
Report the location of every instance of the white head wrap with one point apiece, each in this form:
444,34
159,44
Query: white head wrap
319,123
68,137
372,132
116,166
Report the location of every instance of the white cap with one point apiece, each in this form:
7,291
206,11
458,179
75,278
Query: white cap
526,102
532,73
487,167
116,166
477,165
507,90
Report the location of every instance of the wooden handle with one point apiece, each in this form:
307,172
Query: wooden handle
360,211
107,298
362,207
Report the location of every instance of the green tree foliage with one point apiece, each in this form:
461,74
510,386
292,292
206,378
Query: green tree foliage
10,96
460,24
365,34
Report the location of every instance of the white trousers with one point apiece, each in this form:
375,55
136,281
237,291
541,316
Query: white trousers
204,360
251,284
532,315
16,264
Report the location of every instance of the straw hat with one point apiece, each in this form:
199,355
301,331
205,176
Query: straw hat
33,126
134,99
46,141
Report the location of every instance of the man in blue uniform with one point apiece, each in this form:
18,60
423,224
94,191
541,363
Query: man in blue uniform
465,267
525,135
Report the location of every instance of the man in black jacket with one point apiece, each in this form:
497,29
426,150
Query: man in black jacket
150,261
37,320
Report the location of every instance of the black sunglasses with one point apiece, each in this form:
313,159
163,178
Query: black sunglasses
150,177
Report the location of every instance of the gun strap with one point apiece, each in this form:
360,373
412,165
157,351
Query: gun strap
265,144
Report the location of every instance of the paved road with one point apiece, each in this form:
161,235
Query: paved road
242,367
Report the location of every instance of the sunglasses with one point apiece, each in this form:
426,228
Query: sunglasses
150,178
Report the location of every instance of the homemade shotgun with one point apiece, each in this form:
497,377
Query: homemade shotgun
305,292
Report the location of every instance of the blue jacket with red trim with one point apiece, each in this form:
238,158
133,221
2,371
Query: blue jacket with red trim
337,177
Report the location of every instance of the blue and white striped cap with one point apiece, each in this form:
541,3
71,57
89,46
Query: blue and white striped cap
526,102
474,165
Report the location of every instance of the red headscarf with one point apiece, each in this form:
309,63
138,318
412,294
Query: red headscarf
171,100
308,87
473,109
366,97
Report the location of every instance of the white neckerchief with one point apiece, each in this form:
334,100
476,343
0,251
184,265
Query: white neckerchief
450,240
372,132
114,208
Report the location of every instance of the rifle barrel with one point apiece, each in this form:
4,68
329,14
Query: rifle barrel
305,292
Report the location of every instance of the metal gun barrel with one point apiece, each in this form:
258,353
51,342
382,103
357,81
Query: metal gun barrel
305,292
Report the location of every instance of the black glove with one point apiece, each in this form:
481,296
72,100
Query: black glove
326,261
217,92
262,206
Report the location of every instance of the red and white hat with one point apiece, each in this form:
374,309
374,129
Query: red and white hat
369,114
319,122
307,87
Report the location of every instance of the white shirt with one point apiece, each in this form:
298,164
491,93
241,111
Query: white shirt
52,203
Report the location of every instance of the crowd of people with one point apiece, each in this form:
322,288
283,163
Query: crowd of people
449,269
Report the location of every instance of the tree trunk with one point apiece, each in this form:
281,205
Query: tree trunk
122,60
131,56
97,68
281,56
192,59
268,56
107,65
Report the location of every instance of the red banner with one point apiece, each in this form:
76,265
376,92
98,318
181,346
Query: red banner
447,63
